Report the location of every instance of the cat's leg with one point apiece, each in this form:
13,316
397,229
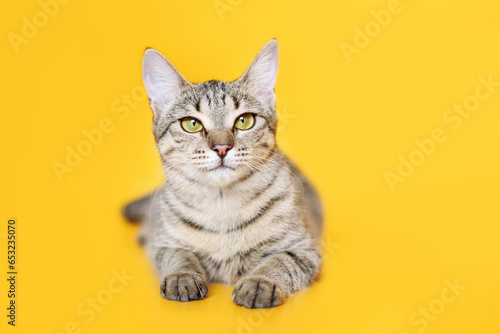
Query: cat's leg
277,277
183,278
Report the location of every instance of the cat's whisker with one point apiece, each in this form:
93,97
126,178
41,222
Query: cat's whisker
166,178
254,166
157,171
282,166
151,205
259,167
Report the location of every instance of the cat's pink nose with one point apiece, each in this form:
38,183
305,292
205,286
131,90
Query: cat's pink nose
221,149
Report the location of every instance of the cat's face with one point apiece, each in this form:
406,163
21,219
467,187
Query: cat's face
219,131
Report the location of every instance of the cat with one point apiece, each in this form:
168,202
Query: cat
233,208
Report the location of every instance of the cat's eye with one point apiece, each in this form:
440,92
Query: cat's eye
244,122
191,124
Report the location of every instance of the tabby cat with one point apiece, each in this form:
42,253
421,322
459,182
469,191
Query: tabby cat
233,208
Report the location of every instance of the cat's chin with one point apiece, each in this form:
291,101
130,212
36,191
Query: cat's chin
221,175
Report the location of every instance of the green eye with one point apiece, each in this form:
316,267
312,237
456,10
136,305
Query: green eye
191,124
244,122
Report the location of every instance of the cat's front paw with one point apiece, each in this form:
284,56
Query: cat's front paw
184,286
258,292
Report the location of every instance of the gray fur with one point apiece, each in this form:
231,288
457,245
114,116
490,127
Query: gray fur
256,221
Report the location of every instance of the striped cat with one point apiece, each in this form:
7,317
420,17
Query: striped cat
233,209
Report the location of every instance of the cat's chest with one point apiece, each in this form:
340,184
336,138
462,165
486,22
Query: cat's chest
227,233
224,256
221,235
216,211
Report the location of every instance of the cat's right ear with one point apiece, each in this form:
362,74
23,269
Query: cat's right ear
161,79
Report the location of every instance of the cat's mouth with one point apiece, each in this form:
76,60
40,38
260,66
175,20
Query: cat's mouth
221,167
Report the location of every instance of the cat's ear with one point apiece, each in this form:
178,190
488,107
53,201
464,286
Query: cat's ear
262,72
161,79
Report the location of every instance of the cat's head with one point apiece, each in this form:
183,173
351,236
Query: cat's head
215,130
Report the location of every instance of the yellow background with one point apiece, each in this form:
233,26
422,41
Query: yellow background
387,253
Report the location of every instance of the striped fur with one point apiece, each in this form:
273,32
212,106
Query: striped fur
254,222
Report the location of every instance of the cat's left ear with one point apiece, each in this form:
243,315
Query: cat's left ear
262,72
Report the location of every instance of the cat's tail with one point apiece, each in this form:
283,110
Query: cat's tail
137,210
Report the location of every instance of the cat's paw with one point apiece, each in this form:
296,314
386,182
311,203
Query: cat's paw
184,286
258,292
